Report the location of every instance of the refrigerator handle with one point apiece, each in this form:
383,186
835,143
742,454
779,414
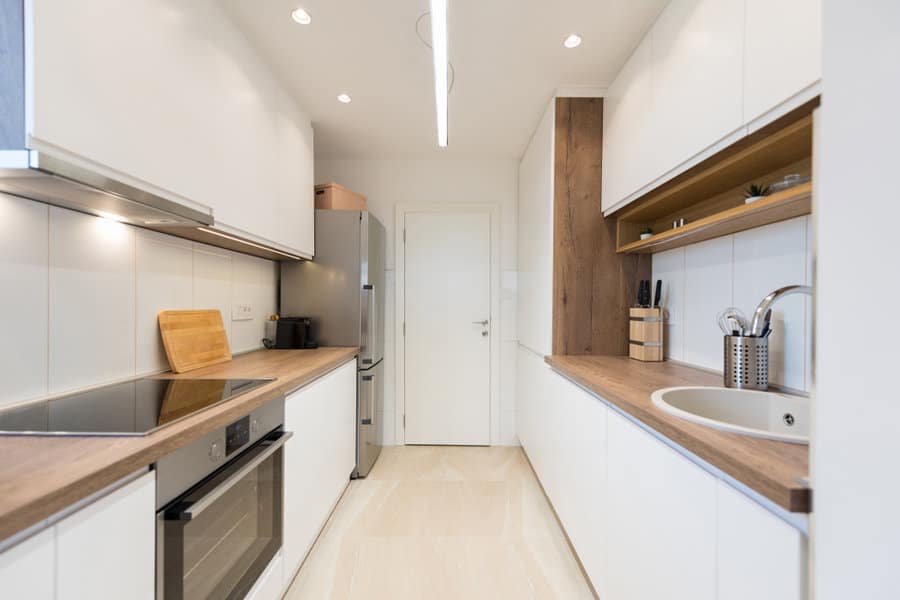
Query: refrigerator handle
369,402
371,326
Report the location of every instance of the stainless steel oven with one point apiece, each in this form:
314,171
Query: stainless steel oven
219,509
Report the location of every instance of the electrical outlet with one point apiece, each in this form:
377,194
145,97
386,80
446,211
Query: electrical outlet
241,312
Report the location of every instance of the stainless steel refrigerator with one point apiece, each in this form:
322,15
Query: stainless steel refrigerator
342,290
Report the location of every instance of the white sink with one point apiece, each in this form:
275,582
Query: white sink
758,414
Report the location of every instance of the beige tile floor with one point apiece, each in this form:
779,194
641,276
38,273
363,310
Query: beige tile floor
436,522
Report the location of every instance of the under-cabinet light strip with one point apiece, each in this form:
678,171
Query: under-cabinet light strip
247,243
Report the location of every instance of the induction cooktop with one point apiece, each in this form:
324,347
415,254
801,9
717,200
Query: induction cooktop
132,408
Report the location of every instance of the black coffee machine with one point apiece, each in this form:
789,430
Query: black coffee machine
294,332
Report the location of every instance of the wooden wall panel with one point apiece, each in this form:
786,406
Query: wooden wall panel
592,285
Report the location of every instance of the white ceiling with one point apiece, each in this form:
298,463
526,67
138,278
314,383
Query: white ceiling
508,57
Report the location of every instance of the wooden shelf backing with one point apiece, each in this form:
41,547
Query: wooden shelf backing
787,204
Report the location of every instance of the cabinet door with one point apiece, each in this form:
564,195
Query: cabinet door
172,96
107,549
783,53
318,459
582,464
629,150
535,230
28,570
661,518
697,50
760,556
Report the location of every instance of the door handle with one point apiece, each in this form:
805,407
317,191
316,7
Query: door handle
370,402
482,323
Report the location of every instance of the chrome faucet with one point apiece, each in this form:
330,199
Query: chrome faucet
759,314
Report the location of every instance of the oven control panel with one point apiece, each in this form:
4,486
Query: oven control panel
237,435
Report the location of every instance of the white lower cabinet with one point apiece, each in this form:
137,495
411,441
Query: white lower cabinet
104,551
662,520
319,458
27,570
107,549
645,521
760,556
563,431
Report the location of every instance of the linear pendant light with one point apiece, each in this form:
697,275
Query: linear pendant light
439,54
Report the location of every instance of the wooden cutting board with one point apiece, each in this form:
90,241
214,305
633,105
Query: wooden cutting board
193,338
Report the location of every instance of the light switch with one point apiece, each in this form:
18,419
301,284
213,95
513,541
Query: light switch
241,312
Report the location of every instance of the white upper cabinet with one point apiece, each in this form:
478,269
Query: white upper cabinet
783,55
696,50
170,97
629,157
535,235
703,72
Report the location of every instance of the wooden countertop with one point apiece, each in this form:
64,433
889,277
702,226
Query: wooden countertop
768,467
40,476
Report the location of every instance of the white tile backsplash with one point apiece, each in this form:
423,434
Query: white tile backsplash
23,302
708,273
164,268
81,297
92,300
212,282
739,270
668,267
766,259
254,282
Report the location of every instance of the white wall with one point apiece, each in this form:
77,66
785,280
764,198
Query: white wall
739,270
81,294
856,420
389,182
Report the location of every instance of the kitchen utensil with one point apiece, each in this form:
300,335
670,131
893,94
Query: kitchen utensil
641,292
767,324
193,338
658,294
732,319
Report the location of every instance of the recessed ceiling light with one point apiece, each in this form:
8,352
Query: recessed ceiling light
345,98
573,41
301,16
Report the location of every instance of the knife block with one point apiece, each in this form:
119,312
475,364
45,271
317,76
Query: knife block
645,334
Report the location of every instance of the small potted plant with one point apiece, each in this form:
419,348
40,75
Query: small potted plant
754,192
646,233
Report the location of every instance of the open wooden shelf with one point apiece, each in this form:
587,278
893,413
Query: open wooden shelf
787,204
709,197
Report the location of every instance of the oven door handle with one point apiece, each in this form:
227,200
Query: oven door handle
185,511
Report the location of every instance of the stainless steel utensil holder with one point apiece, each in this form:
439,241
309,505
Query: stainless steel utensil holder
747,362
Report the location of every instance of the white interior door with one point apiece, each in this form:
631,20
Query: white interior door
447,299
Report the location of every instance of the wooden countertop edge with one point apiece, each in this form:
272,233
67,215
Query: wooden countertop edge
130,454
794,499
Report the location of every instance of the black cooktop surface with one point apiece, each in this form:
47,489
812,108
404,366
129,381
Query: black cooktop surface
133,408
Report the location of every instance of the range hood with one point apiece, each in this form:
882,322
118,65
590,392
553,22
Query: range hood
39,176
